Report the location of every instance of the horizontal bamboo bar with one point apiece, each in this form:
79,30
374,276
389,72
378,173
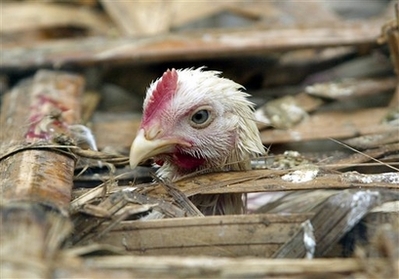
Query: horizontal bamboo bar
192,45
211,267
271,181
230,235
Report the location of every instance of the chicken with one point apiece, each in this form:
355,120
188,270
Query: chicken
195,120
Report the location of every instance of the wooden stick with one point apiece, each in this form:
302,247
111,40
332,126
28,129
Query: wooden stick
179,197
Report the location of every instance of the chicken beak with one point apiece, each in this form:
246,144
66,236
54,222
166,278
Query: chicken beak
143,148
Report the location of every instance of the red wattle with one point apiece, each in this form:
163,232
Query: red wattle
186,161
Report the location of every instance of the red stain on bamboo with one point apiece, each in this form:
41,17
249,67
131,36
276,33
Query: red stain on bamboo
49,104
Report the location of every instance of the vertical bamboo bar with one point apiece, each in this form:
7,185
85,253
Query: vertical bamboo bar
35,183
392,37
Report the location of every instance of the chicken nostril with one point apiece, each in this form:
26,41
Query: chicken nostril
152,133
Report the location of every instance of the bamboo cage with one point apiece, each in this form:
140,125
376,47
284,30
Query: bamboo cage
72,208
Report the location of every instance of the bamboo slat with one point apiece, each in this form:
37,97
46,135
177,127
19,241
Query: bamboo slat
270,181
23,17
333,124
333,218
230,235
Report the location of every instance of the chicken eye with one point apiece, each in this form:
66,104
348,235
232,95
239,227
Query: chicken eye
201,118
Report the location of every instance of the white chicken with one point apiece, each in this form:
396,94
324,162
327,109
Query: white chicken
195,120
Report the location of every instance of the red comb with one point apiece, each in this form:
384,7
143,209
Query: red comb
164,91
